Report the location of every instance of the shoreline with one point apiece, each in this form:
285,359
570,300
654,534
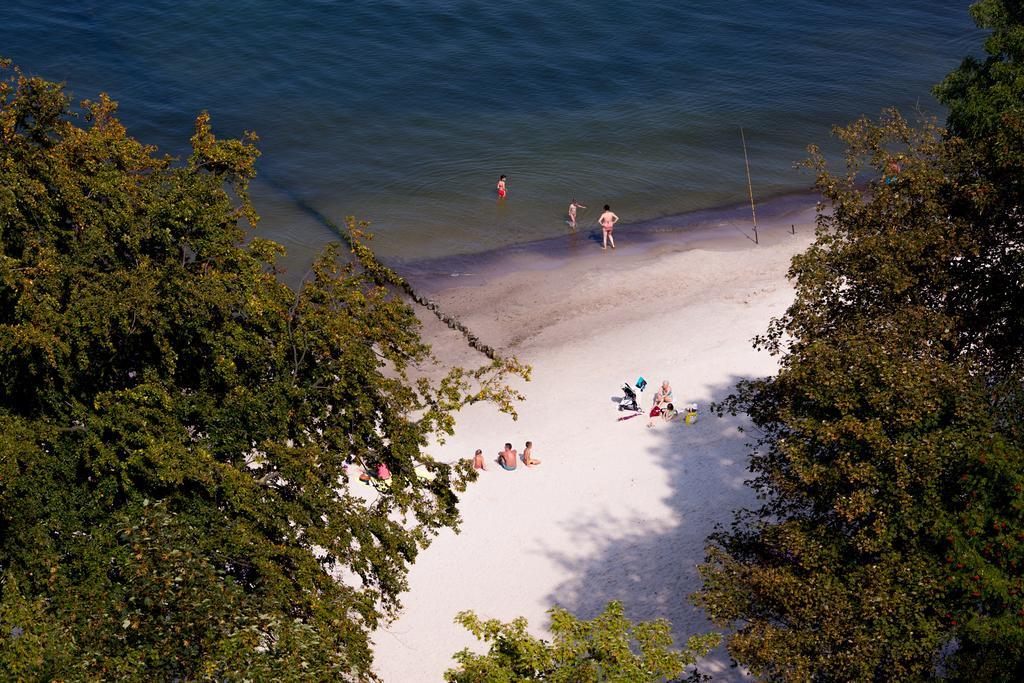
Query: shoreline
720,227
548,291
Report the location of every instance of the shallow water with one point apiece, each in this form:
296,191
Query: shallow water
405,112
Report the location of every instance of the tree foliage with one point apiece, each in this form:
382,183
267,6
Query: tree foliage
986,121
986,96
890,457
607,648
178,428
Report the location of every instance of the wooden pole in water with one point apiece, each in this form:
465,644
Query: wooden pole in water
750,187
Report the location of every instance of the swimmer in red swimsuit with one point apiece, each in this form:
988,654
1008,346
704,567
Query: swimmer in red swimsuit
501,186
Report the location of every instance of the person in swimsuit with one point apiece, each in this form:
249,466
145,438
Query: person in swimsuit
573,205
507,458
664,395
528,458
608,221
478,460
379,471
668,413
501,187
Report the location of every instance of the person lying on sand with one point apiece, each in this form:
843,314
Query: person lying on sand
378,471
507,458
528,459
478,460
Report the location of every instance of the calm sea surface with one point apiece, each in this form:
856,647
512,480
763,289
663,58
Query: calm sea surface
404,112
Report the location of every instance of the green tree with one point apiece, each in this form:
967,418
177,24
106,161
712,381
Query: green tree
603,649
986,96
179,430
986,121
890,456
891,451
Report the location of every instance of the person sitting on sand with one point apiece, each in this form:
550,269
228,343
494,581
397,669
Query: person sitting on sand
507,458
664,395
573,205
478,460
528,459
668,413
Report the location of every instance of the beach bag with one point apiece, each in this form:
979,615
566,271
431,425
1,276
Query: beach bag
655,411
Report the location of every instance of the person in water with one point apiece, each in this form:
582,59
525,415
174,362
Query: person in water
573,205
501,187
608,221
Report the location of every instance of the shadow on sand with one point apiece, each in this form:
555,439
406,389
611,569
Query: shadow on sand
651,566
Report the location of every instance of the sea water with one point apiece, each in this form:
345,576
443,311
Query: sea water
405,112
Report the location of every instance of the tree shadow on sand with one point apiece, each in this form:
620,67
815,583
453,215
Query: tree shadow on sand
651,566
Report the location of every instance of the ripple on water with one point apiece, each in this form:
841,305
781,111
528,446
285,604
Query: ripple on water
406,112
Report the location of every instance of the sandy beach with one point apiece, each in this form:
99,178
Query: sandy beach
616,510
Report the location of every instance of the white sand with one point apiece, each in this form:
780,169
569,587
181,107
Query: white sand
616,510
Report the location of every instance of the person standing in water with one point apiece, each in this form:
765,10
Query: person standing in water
573,205
608,221
501,187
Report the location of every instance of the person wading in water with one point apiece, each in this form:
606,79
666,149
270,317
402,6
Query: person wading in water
608,221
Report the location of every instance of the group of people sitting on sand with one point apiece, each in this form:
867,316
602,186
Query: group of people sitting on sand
507,458
378,474
663,406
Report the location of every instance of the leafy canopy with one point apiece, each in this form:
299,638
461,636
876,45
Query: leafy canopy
890,460
580,652
179,430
